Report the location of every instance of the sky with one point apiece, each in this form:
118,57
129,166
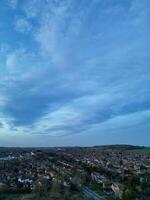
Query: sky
74,72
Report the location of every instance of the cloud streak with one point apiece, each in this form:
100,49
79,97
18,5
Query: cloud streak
77,68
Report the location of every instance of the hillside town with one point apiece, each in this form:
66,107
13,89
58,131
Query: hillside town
109,174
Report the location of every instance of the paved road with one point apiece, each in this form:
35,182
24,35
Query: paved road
91,195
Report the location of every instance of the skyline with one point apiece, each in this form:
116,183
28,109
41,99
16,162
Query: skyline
74,73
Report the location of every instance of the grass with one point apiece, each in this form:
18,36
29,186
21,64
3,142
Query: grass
142,150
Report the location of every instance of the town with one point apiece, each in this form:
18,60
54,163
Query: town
75,173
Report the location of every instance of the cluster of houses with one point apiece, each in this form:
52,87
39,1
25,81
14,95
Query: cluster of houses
32,169
107,184
110,167
23,172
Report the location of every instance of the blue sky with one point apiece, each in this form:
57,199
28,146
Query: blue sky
74,72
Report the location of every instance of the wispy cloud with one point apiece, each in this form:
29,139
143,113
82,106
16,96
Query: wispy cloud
76,68
13,3
22,25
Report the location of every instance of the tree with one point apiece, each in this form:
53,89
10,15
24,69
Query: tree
128,194
41,188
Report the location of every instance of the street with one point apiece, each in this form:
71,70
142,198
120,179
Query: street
92,195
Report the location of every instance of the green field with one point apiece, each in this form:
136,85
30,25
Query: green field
142,150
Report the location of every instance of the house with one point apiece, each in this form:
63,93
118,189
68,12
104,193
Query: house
117,188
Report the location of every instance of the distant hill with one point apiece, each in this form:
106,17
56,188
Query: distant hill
120,147
117,147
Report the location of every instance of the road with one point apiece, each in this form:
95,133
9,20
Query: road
91,195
